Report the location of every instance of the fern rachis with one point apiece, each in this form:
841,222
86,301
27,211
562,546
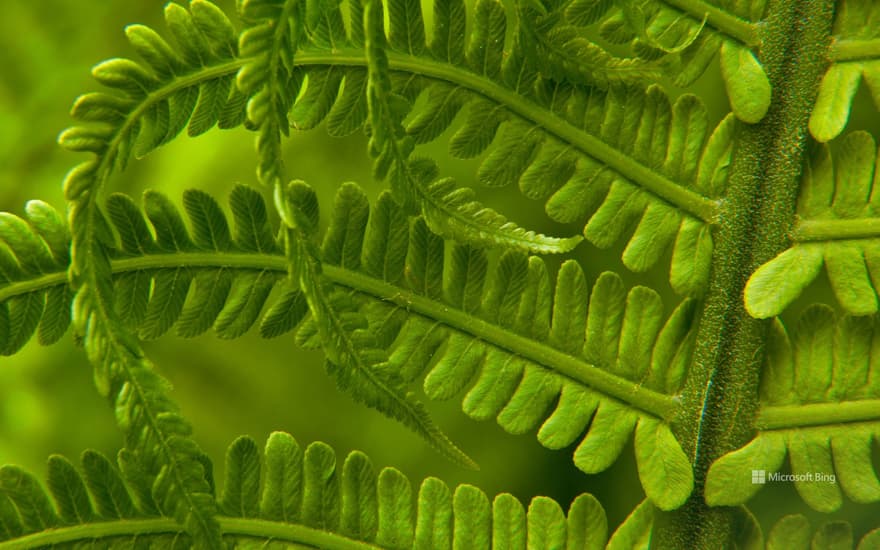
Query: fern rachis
428,289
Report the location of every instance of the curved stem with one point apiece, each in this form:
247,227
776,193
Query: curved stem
235,527
676,193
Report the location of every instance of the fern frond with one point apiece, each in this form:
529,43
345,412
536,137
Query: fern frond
617,362
556,122
837,227
291,495
463,324
268,77
354,356
856,55
185,86
585,152
820,395
566,53
190,84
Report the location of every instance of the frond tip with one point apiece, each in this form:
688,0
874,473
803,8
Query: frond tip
289,494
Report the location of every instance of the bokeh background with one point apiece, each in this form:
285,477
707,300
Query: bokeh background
253,386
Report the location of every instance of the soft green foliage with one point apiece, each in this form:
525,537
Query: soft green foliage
287,495
820,392
524,340
836,227
587,106
857,27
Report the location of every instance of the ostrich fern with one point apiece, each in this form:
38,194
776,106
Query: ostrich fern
579,103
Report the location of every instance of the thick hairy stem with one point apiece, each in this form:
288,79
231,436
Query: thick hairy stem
720,400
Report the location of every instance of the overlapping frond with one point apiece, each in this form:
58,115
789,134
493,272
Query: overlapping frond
837,227
290,495
856,55
820,405
613,366
578,143
617,158
189,85
531,355
269,77
158,439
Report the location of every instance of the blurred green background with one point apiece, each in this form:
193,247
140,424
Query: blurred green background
252,386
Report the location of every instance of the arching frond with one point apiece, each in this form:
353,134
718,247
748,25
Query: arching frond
528,362
856,55
820,404
617,159
291,495
613,366
837,227
188,85
569,146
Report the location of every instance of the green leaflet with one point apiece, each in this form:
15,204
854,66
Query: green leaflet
747,85
663,462
301,496
836,94
836,228
819,406
729,481
778,282
855,23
